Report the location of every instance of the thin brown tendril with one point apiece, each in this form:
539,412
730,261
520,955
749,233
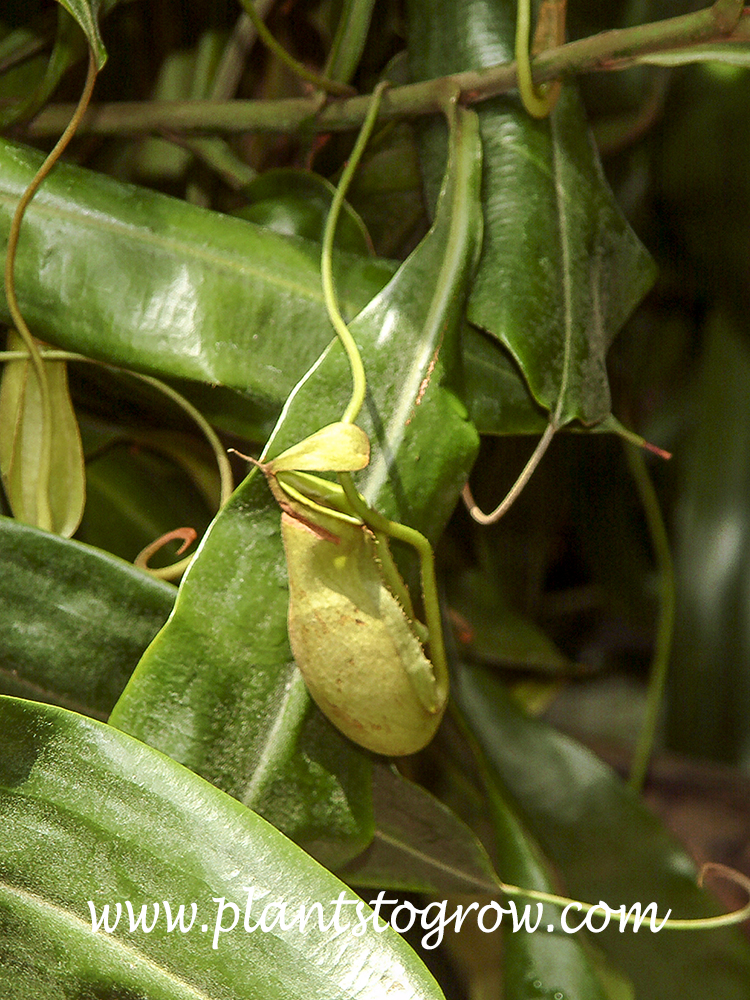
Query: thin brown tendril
188,536
504,506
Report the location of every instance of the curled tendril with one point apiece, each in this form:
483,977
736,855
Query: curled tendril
538,102
188,536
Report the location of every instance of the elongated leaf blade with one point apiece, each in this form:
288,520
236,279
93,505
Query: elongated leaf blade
115,822
606,845
148,282
73,619
561,269
153,283
419,844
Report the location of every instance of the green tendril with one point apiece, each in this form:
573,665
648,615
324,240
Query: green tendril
626,917
663,647
738,916
326,261
322,82
381,525
538,103
44,513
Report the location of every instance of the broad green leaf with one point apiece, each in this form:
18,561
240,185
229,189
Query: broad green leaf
218,689
73,619
87,13
22,465
497,396
605,845
561,269
419,844
152,283
91,816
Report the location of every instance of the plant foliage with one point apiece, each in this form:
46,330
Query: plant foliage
158,744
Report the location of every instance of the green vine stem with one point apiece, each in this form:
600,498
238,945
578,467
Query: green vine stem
321,82
326,261
44,514
663,647
738,916
609,50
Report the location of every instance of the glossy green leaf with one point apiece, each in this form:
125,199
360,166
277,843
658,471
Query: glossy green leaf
21,463
419,844
152,283
218,689
87,13
73,619
561,269
497,396
114,822
606,845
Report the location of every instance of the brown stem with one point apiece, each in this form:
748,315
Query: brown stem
616,49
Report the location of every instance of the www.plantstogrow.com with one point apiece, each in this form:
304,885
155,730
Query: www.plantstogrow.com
433,918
